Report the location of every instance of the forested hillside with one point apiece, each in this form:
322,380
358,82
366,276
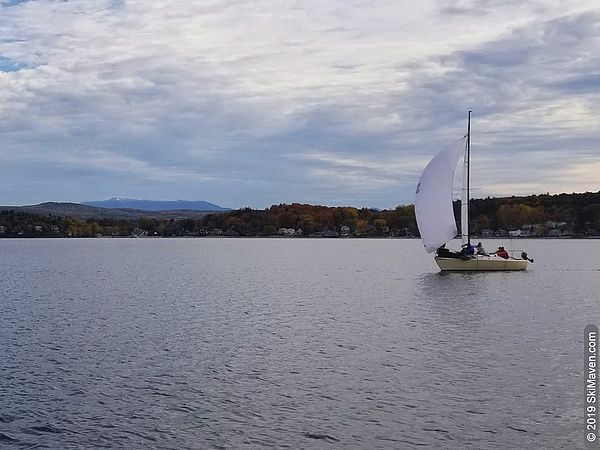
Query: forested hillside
537,215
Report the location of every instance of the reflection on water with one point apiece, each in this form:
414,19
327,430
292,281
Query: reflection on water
451,298
175,343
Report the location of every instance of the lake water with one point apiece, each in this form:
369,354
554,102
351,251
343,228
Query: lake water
297,343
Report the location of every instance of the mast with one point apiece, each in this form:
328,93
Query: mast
465,203
468,176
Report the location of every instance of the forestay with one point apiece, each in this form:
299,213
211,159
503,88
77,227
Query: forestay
433,202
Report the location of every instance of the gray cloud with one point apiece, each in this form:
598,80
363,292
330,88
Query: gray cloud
258,103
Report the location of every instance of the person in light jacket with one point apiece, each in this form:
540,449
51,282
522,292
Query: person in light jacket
480,249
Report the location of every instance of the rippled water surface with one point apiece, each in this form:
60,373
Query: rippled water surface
298,343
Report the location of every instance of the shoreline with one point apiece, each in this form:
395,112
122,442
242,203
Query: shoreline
496,238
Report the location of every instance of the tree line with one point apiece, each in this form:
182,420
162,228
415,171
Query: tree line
579,214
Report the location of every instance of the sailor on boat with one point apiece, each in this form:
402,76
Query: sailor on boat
468,249
480,249
446,253
501,252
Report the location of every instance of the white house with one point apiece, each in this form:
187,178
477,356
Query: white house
286,232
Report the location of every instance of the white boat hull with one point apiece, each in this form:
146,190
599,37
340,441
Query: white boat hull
480,263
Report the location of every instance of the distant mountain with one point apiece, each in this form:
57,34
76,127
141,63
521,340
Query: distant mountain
85,212
155,205
72,210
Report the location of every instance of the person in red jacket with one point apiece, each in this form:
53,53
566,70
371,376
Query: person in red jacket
502,253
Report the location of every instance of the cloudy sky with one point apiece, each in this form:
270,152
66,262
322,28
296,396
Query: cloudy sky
251,103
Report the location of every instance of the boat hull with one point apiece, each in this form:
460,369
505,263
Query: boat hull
480,263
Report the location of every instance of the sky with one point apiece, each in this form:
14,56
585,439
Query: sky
260,102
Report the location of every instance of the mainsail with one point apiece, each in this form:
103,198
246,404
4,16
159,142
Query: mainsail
433,202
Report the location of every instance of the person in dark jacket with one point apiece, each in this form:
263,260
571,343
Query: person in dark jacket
445,253
468,249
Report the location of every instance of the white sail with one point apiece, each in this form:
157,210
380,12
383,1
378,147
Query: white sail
433,201
464,202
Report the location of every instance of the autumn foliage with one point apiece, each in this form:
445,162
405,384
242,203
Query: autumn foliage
572,214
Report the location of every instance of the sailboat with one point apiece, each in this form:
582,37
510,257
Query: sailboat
435,214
